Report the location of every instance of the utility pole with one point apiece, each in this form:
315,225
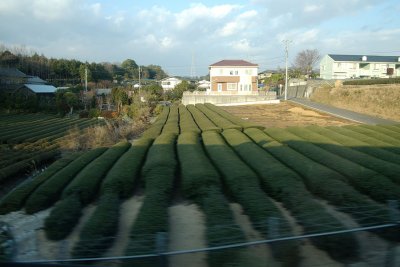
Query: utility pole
84,96
139,80
286,42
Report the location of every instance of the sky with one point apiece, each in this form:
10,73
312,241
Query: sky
184,37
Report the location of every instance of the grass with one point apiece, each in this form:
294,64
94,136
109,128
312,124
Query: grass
376,100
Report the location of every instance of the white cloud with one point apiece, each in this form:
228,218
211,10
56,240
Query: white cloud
96,8
239,24
242,45
311,8
58,9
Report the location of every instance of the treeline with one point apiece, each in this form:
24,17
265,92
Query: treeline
61,72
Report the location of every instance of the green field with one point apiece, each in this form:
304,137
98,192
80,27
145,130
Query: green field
29,140
211,158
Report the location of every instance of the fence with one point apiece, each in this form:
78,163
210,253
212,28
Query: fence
255,250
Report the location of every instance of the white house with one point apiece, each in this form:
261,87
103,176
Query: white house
359,66
204,84
170,83
233,77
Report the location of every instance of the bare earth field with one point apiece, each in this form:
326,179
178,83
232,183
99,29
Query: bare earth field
284,114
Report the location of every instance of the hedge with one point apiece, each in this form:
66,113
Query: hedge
27,164
377,186
217,119
395,128
172,123
98,233
357,144
374,134
243,185
87,182
125,173
85,186
156,128
15,199
186,121
198,174
388,169
366,139
324,182
49,192
287,187
64,216
204,123
372,81
158,173
379,129
235,120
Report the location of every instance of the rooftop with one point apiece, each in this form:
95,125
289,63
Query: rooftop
370,58
233,63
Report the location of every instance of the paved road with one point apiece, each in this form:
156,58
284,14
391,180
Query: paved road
342,113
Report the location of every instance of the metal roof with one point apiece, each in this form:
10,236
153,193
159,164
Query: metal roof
233,63
11,72
370,58
41,88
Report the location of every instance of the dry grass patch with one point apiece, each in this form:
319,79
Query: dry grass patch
375,100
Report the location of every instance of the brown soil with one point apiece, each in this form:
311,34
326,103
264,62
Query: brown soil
284,114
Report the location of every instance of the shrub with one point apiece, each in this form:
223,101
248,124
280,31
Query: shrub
365,180
65,215
235,120
217,119
87,182
324,182
243,185
198,177
172,123
380,166
98,233
287,187
156,128
204,123
49,192
372,81
16,198
121,178
186,121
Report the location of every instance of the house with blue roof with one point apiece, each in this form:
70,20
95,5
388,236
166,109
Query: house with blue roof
334,66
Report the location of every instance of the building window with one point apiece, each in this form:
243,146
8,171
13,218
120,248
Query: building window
231,72
236,72
248,71
219,87
232,86
339,65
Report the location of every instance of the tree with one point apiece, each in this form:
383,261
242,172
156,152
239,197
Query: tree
71,100
306,59
130,67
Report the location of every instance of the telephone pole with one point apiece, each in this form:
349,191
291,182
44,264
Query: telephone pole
85,94
286,42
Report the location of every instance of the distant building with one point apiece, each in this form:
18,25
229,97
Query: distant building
233,77
14,81
359,66
170,83
204,84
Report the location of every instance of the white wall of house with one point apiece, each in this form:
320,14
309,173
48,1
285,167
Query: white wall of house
170,83
331,69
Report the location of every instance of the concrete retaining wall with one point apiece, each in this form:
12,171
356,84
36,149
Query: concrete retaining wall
193,98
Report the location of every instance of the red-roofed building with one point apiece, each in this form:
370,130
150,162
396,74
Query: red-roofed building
233,77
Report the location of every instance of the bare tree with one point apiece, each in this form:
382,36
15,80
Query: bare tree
306,59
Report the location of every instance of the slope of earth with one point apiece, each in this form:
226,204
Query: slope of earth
284,114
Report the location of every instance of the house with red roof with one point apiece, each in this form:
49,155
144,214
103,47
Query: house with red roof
233,77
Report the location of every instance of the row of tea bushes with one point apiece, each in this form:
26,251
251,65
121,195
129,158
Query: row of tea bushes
287,187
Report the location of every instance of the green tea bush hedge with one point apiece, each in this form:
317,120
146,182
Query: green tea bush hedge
49,192
356,144
15,199
385,168
204,123
243,185
365,180
287,187
217,119
235,120
172,124
186,121
156,128
374,134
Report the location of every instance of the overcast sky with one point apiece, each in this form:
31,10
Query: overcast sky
174,33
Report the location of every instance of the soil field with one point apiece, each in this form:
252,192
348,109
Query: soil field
284,114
